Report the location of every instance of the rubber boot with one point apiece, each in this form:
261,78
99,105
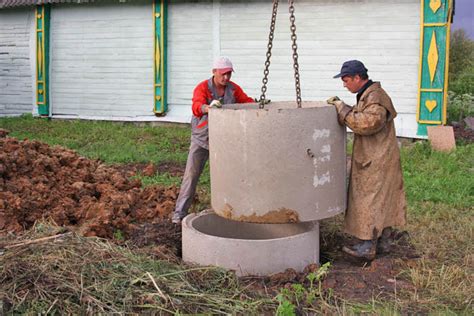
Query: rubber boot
384,243
365,249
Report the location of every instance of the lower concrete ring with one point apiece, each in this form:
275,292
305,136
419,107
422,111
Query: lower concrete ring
249,248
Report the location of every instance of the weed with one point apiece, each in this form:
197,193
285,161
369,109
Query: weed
118,235
299,296
285,307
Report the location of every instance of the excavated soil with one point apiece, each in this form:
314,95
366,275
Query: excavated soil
52,183
86,196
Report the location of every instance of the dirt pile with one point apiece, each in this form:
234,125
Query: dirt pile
42,182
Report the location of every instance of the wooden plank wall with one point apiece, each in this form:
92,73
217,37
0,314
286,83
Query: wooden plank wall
190,51
16,81
383,34
102,59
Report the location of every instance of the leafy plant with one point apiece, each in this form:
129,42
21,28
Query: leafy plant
118,235
300,296
460,106
285,307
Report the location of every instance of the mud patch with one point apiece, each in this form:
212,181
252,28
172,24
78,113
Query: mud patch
348,279
280,216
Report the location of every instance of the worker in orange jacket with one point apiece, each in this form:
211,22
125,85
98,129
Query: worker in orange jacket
214,92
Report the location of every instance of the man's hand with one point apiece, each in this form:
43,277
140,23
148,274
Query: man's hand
338,103
216,103
333,100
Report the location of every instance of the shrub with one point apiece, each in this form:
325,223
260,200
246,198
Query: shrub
461,63
460,106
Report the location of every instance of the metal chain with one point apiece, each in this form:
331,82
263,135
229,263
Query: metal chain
295,53
269,54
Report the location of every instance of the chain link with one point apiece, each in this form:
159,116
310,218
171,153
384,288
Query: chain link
295,53
266,71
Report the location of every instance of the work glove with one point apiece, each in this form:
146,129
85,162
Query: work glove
333,100
338,103
215,104
342,109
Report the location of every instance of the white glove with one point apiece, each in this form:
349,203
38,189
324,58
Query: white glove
215,103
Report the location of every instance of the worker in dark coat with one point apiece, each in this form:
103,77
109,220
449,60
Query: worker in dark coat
215,91
376,200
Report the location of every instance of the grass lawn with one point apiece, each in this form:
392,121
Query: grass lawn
439,188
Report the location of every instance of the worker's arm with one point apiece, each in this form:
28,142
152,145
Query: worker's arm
240,96
200,97
370,120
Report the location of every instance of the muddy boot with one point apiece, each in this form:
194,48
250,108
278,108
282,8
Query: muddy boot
384,242
365,249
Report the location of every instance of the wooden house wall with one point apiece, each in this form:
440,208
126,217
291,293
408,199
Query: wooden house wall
16,65
102,59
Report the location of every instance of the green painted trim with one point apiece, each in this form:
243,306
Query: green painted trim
160,57
434,61
42,16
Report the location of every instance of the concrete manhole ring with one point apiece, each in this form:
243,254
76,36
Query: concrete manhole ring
249,248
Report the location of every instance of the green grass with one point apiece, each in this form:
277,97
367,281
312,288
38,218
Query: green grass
164,179
439,188
438,177
108,141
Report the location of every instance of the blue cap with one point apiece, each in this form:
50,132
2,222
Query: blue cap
351,68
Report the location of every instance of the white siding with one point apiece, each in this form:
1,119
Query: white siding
383,34
190,51
16,71
102,59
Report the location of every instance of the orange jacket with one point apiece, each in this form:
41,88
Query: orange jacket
203,94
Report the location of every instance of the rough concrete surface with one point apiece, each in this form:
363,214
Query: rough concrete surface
279,164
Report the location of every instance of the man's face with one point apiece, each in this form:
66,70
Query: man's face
353,84
221,79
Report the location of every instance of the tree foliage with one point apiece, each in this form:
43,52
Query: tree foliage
461,63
